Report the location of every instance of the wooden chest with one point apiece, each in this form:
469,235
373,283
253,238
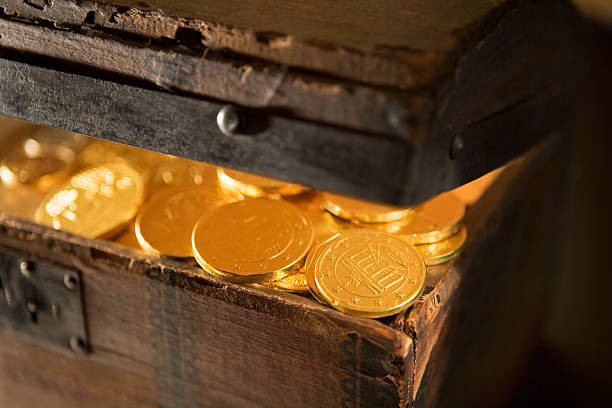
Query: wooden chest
425,98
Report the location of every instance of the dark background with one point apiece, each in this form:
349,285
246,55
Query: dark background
572,363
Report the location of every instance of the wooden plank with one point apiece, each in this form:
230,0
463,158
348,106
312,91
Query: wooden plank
405,45
488,111
34,375
483,318
210,342
237,81
326,158
514,89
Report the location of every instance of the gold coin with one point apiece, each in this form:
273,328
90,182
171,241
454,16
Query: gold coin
350,208
102,152
36,166
95,202
164,225
369,273
432,221
252,185
309,267
251,240
293,282
56,137
128,238
444,250
20,202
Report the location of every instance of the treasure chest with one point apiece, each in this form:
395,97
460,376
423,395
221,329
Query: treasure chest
389,102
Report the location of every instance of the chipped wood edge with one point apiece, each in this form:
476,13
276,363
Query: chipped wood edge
385,66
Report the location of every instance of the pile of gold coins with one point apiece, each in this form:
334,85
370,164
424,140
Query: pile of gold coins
360,257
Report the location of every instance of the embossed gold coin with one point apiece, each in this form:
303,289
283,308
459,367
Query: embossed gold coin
350,208
95,202
444,250
252,240
35,165
165,224
309,268
369,273
252,185
432,221
293,282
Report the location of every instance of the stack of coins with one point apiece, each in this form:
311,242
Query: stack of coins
359,257
435,227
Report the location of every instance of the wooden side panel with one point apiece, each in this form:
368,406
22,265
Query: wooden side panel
33,375
200,342
492,303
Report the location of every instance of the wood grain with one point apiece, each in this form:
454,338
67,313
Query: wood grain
483,318
213,76
390,43
205,342
33,375
497,106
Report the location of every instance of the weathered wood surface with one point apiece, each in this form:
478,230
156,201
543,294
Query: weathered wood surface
508,92
33,375
238,81
96,38
483,318
393,43
199,341
329,159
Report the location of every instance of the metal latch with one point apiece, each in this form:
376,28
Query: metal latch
43,301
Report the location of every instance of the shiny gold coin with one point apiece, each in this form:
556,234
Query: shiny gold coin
103,152
95,202
433,221
56,137
128,238
20,202
369,273
444,250
350,208
165,224
252,240
33,165
293,282
252,185
309,268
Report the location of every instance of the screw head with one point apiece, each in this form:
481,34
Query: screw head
31,306
70,281
230,119
78,345
26,268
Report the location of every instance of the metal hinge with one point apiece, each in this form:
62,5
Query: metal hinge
43,301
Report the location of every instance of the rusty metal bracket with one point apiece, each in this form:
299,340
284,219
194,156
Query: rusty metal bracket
43,301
